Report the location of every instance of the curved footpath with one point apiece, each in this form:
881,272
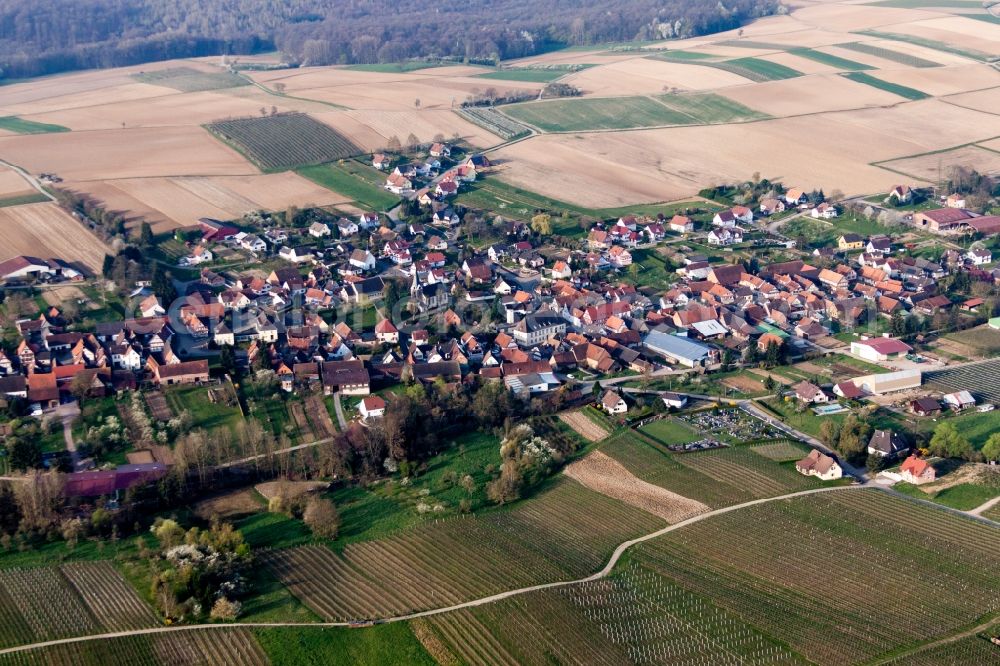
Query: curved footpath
619,551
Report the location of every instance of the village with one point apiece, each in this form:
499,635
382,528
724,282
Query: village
350,307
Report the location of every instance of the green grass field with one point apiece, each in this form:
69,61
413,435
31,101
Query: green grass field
528,75
682,55
188,79
23,199
208,415
710,108
573,115
669,431
889,54
982,339
756,69
394,67
894,88
830,59
22,126
352,179
964,496
386,644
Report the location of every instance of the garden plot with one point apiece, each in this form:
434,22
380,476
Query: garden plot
583,426
609,477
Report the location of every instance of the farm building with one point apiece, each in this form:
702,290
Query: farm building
877,350
819,465
959,400
188,372
347,377
677,349
917,470
20,267
887,444
848,390
888,382
941,219
926,406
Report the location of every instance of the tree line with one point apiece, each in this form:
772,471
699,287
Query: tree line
51,36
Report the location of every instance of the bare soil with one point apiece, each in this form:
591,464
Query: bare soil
583,426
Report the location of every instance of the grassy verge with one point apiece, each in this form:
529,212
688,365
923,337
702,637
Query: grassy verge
23,199
351,179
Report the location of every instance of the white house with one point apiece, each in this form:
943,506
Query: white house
613,403
386,332
675,400
725,236
199,255
681,224
824,211
878,350
253,243
150,307
362,260
979,256
318,230
296,255
819,465
372,406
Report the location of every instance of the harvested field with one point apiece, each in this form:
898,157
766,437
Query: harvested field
583,426
744,384
125,153
424,124
880,56
609,477
229,505
271,489
12,184
945,80
977,38
800,63
45,230
285,141
983,100
810,94
639,76
934,166
167,203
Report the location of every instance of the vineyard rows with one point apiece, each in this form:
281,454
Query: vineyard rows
799,570
742,468
285,141
566,533
780,451
47,603
969,650
635,617
215,647
492,120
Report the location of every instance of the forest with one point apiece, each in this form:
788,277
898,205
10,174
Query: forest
49,36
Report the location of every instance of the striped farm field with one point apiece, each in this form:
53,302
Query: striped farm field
832,564
982,379
781,451
976,649
889,54
47,603
832,60
709,108
284,141
740,467
213,647
566,532
653,464
755,69
634,616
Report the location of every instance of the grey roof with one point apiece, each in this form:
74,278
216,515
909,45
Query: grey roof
676,346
